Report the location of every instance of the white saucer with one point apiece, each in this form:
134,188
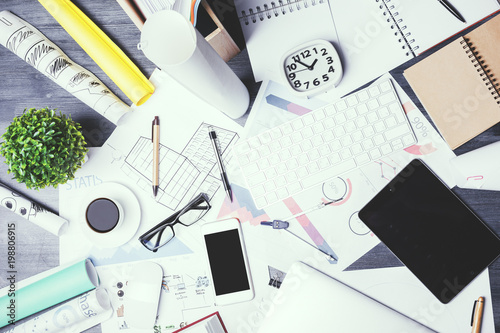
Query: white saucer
131,215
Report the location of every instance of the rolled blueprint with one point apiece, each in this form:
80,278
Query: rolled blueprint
32,211
171,42
33,47
101,49
76,315
19,303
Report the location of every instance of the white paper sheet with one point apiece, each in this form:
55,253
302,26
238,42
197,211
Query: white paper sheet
400,289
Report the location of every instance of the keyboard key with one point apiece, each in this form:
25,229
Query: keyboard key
274,159
308,119
362,108
372,117
307,132
363,96
302,172
408,139
286,141
340,118
271,173
276,133
297,124
318,128
383,112
387,98
361,121
256,179
375,153
271,197
260,202
397,144
356,149
293,164
351,100
373,104
328,136
275,146
254,142
328,173
280,181
350,126
312,167
329,110
357,136
258,190
243,159
323,163
341,105
396,132
306,145
345,153
379,126
313,154
242,148
329,123
346,140
296,137
339,131
264,151
335,158
285,154
374,91
294,150
317,140
270,185
362,158
303,159
378,139
391,121
281,168
282,193
367,144
294,188
318,115
324,150
291,176
265,138
335,145
251,168
385,86
368,131
386,149
287,128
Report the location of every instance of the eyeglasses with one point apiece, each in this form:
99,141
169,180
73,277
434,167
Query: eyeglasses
163,232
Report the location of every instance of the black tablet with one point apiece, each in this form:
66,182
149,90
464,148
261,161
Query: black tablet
431,231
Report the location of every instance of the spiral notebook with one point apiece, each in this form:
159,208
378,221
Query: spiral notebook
376,36
458,84
371,36
274,27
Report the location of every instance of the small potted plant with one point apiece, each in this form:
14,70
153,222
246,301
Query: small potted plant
43,148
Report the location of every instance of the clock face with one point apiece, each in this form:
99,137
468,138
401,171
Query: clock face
312,68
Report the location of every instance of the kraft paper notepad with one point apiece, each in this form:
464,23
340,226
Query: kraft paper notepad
458,84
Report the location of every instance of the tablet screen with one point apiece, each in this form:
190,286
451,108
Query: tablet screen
431,231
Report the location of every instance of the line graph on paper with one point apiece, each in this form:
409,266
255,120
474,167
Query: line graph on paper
182,174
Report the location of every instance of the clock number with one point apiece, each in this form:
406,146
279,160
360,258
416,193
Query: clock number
291,76
291,67
331,70
330,60
324,52
325,77
316,82
296,58
315,51
305,54
297,84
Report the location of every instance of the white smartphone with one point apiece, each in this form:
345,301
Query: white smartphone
228,262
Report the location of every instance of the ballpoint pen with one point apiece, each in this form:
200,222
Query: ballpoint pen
155,137
452,10
218,158
477,315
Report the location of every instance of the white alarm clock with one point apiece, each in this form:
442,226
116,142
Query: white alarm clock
311,68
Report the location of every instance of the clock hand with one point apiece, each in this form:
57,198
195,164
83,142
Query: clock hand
312,65
300,62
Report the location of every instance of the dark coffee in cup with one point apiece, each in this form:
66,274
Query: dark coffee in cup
102,215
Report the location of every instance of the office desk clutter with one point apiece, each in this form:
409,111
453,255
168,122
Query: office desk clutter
292,180
171,42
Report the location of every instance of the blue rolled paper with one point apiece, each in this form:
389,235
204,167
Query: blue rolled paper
46,292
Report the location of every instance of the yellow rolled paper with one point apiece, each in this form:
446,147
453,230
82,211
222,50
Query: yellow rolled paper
112,60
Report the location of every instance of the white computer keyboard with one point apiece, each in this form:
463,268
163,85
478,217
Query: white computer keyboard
324,143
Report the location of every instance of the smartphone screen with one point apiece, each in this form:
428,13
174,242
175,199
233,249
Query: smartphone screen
227,263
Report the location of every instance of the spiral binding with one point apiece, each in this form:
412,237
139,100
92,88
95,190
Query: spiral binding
275,9
484,73
397,23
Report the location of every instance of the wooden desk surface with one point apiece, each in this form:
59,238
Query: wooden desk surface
21,86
